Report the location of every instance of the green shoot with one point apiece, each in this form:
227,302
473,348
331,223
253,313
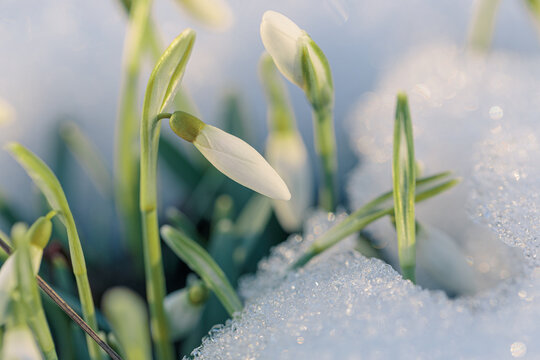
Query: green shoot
404,182
49,185
370,212
160,90
203,265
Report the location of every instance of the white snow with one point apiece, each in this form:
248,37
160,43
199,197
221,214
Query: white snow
476,116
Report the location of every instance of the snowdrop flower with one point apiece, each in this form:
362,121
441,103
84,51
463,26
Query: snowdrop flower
214,13
19,344
230,155
438,255
298,58
287,153
184,309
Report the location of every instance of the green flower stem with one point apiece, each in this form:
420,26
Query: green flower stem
83,287
325,143
482,25
155,277
363,217
126,154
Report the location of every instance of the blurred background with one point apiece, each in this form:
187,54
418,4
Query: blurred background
62,61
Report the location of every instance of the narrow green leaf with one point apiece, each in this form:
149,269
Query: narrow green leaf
88,157
404,181
202,263
365,216
127,314
167,74
49,185
162,86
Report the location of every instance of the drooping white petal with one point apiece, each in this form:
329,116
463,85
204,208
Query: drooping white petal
287,154
182,314
19,344
441,259
282,38
214,13
239,161
8,279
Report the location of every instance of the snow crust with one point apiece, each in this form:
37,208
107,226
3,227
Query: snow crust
476,116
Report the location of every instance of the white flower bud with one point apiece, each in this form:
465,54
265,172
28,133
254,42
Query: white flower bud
230,155
287,154
283,39
19,344
297,57
442,260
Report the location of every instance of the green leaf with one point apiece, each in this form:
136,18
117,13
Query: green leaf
369,213
49,185
126,312
404,181
202,263
167,74
88,157
162,86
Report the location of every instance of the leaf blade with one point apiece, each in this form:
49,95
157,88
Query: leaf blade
201,263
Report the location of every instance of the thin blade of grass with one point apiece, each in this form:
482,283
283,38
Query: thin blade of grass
404,175
202,263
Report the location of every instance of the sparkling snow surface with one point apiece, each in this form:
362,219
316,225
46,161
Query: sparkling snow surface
478,117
